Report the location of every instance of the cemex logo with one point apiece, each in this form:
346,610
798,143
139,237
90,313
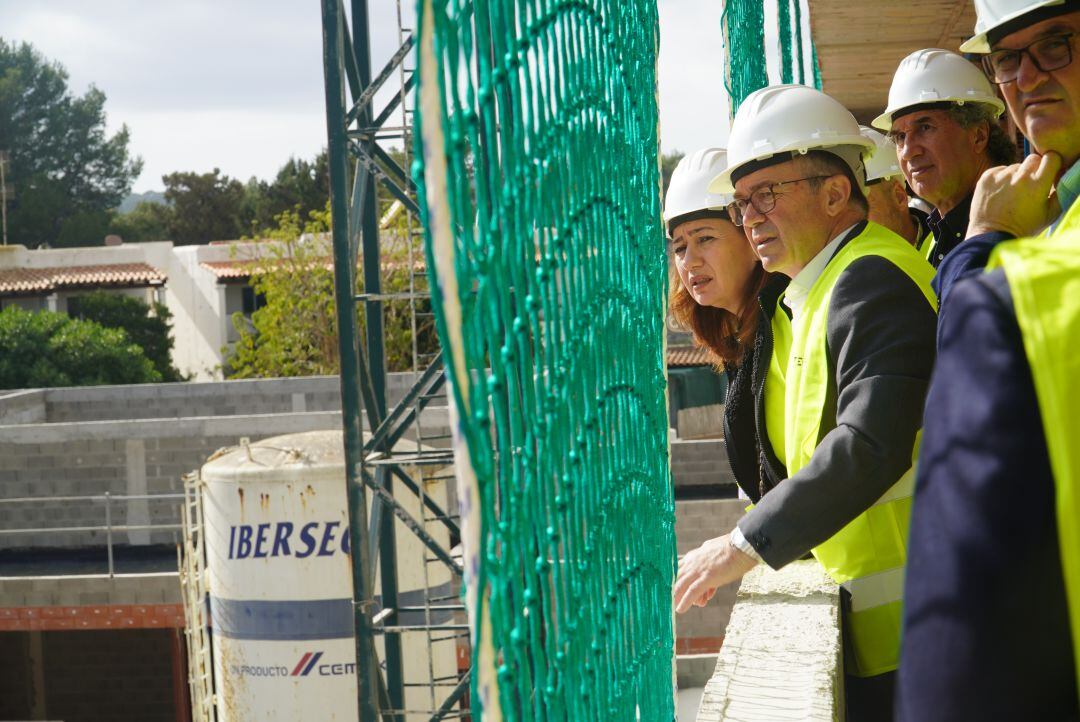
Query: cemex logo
307,663
310,662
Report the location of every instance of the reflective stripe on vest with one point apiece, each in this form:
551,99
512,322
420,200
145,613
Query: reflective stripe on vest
1044,279
874,544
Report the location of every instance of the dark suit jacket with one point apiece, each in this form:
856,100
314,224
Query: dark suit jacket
880,346
986,632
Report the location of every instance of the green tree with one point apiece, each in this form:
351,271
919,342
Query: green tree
67,173
148,326
147,221
295,332
205,207
48,349
668,161
300,185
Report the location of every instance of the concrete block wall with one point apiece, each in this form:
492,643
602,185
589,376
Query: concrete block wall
147,456
189,400
697,521
701,462
75,591
22,407
182,400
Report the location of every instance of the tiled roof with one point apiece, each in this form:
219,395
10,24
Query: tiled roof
681,356
19,281
241,269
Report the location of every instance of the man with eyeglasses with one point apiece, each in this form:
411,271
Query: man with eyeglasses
942,115
857,322
992,597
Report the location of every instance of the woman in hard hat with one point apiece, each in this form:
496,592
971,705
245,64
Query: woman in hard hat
718,291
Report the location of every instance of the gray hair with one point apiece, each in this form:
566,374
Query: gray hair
999,147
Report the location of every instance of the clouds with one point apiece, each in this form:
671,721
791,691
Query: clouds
238,84
693,102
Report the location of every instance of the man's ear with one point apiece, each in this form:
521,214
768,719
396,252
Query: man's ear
837,194
980,136
900,194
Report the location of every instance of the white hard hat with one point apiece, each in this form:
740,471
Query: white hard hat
937,76
992,14
791,119
882,162
688,191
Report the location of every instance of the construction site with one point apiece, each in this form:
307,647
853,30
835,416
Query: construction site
495,533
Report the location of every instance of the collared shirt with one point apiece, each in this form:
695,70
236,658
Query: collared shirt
950,230
1068,189
804,280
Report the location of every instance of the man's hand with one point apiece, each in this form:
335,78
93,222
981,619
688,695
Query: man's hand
713,564
1017,198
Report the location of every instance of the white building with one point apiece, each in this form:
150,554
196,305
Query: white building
203,286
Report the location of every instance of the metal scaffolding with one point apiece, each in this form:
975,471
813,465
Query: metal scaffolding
398,460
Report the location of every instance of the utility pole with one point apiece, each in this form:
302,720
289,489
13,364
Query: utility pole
4,159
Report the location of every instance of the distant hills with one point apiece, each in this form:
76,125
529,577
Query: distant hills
129,203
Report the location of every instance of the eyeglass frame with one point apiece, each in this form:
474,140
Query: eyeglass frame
1026,50
736,215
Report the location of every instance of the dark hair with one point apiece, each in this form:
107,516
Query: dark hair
725,335
999,146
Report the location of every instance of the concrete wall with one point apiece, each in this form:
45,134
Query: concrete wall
147,456
701,463
700,632
22,407
782,657
222,398
142,439
215,398
82,590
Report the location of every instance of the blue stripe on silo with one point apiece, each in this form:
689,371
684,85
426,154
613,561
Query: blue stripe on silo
282,620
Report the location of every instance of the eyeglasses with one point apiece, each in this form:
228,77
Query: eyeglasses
1050,53
763,199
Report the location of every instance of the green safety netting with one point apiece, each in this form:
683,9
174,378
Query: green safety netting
539,168
743,27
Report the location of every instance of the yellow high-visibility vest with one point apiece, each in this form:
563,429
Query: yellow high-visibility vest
774,382
1044,279
867,556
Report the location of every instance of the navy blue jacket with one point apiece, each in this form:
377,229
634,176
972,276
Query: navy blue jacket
986,631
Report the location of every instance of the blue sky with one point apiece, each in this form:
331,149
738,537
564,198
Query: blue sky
238,84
